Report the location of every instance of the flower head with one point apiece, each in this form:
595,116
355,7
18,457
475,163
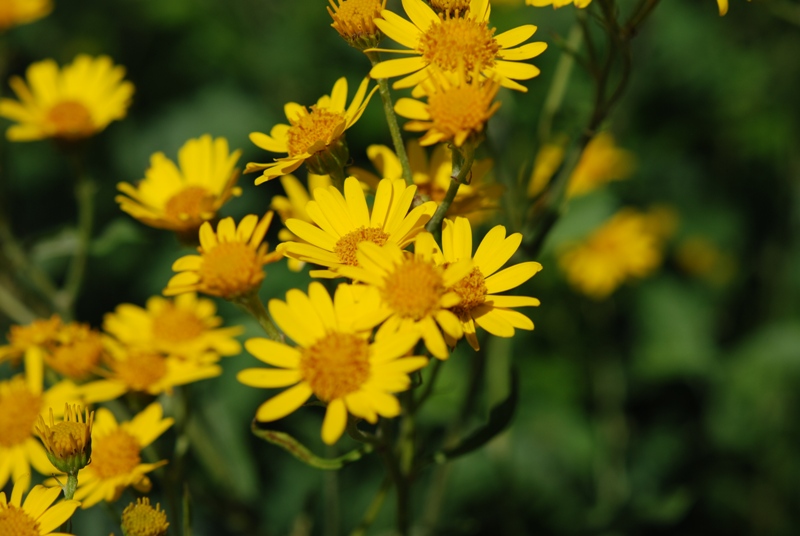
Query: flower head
342,222
450,42
36,516
69,442
77,352
18,12
71,104
333,360
354,20
141,519
455,110
117,455
180,198
186,327
314,136
481,304
231,260
414,291
38,336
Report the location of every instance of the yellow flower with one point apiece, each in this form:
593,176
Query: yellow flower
414,291
342,222
312,136
454,111
445,6
74,103
231,260
18,12
480,302
602,161
31,340
117,455
354,20
69,442
36,516
141,519
180,198
723,7
333,360
144,371
293,206
628,246
450,42
22,402
475,200
185,327
77,351
559,3
700,257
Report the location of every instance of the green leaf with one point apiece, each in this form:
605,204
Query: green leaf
302,453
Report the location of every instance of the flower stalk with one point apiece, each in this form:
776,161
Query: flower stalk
463,157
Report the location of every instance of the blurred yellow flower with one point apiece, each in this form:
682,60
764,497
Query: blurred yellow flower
71,104
700,257
18,12
31,340
480,302
141,519
334,361
451,42
185,327
77,352
68,443
342,222
476,200
36,516
628,246
354,20
180,198
312,136
22,402
231,260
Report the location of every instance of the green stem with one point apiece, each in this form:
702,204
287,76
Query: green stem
391,119
463,157
428,389
337,176
252,304
374,509
400,480
14,308
558,87
84,194
72,485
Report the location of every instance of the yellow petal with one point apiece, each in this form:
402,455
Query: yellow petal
273,353
335,421
285,403
264,378
511,277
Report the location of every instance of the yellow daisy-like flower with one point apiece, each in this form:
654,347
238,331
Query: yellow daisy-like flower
22,402
293,206
342,222
231,260
36,516
480,302
186,327
117,455
141,519
450,42
313,135
69,442
333,360
414,291
31,340
454,112
18,12
180,198
144,371
74,103
602,162
78,351
560,3
628,246
354,20
475,200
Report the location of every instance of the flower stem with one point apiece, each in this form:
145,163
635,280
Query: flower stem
558,87
252,304
399,479
374,509
391,119
463,157
72,485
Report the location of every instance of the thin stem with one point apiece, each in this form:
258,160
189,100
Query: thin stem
84,194
428,389
391,119
558,87
72,485
463,157
252,304
374,509
14,308
400,480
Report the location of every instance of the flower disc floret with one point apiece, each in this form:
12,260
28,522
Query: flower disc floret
458,43
141,519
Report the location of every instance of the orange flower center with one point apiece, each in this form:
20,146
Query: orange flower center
230,269
115,454
67,439
444,6
19,408
16,521
37,333
311,132
347,245
141,519
472,289
353,18
336,365
71,120
78,359
173,325
414,289
462,108
141,371
189,206
459,43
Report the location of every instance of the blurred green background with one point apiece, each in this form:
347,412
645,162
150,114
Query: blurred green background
669,408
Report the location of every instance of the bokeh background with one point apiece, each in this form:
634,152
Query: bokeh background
669,408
